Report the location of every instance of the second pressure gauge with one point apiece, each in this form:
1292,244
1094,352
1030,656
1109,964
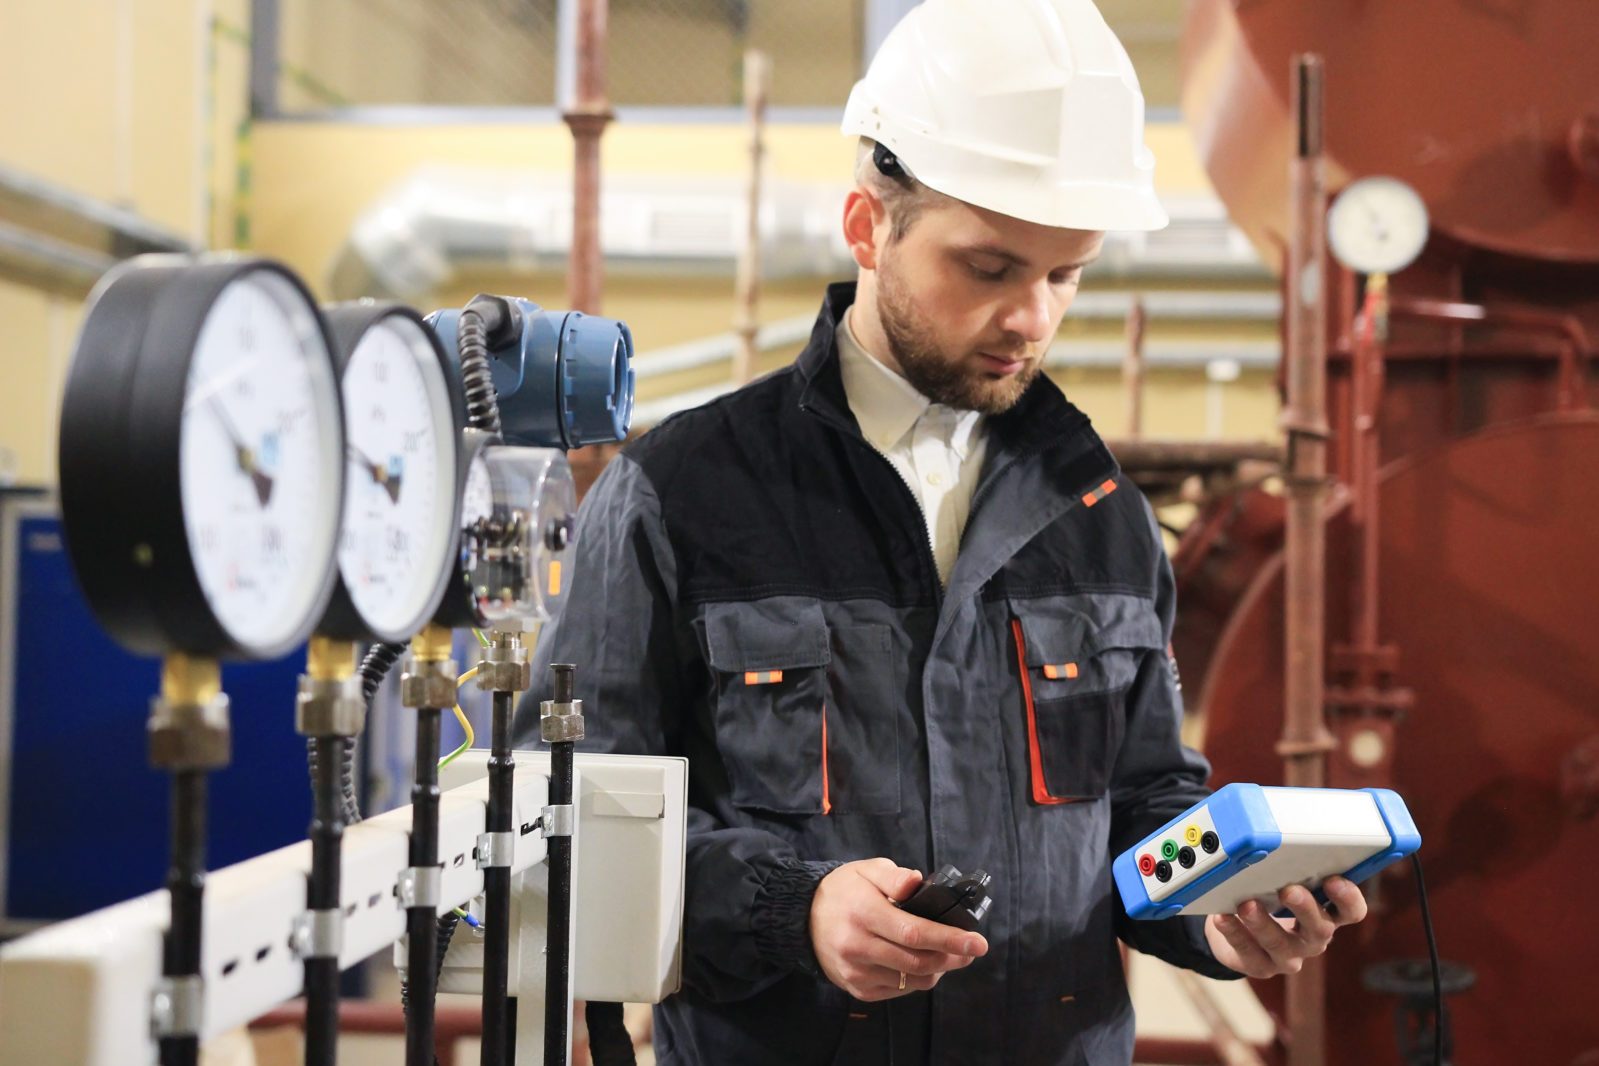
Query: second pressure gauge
403,419
201,457
517,512
1377,226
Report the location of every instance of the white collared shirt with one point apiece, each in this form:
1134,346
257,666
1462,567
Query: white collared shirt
938,450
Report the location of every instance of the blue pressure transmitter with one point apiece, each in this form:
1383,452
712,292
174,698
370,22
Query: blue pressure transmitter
564,379
1251,841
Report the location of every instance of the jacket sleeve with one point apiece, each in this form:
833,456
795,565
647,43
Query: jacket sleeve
1155,779
746,921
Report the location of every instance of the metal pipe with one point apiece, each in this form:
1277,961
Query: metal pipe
561,726
322,894
180,948
1133,368
497,891
1576,351
421,955
587,117
1305,740
757,75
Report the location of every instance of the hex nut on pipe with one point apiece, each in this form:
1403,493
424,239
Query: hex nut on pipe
504,676
560,722
329,708
190,736
428,684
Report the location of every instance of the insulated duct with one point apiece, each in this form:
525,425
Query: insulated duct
419,234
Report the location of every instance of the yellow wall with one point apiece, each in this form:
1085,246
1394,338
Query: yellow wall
146,110
116,100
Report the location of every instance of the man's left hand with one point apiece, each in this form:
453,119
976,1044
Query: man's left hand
1258,945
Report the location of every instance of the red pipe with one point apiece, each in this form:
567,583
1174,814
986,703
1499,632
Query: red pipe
1305,740
1576,349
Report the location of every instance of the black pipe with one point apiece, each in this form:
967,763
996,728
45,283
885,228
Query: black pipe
180,948
557,1007
322,894
497,1040
422,949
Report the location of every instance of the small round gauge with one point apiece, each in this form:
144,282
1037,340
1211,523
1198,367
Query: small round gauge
1377,226
517,508
402,421
201,457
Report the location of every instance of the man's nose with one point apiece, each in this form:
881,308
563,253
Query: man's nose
1031,315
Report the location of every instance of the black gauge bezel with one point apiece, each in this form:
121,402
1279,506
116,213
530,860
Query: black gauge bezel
458,607
119,455
349,323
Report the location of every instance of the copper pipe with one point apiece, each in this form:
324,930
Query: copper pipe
1576,350
587,116
746,321
1368,373
1231,1049
1133,368
1305,740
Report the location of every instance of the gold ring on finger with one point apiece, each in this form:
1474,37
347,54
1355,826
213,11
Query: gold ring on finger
902,980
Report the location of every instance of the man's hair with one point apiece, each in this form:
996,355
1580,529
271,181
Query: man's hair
903,196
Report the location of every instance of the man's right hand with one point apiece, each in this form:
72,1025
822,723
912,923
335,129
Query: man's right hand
865,944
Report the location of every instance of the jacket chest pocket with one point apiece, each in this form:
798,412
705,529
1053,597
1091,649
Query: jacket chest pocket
806,714
1075,665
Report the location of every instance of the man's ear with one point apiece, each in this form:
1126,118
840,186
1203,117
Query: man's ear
865,222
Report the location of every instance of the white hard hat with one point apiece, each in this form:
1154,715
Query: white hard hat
1026,107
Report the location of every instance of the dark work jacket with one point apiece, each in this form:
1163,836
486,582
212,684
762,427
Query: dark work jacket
1025,721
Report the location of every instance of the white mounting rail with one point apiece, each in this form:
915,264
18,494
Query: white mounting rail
80,992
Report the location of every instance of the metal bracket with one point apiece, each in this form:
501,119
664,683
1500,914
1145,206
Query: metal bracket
177,1006
495,849
558,821
318,934
419,886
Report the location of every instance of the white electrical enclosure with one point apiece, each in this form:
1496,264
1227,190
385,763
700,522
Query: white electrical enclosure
627,884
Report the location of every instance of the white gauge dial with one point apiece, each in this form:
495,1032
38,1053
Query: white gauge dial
1377,226
399,438
259,468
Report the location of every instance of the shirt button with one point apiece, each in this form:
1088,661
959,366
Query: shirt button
935,479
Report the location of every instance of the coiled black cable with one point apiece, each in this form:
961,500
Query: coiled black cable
477,379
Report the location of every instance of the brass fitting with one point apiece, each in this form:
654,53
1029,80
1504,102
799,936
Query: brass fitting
432,645
188,727
330,660
189,681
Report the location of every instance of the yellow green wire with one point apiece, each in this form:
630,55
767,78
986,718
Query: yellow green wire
466,725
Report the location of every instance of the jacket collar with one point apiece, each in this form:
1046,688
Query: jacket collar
1042,417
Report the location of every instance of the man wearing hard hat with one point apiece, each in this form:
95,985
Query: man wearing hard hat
900,609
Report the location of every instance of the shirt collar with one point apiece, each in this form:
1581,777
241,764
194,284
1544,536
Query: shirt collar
887,406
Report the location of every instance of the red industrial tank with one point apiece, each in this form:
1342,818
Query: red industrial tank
1482,707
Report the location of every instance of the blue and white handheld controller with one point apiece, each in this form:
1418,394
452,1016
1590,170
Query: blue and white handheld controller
1250,841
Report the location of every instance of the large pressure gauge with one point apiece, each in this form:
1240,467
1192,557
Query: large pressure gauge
403,416
517,512
1377,226
202,457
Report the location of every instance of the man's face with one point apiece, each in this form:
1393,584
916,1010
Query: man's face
970,299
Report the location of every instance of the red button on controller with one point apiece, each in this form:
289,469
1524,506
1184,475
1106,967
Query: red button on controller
1146,865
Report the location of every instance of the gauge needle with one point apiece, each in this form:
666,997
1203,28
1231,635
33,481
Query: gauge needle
380,474
244,456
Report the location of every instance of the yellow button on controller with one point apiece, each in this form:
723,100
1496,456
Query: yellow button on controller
1191,834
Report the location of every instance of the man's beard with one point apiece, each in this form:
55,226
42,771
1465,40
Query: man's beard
936,373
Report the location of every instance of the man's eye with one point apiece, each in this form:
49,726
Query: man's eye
1066,277
987,275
